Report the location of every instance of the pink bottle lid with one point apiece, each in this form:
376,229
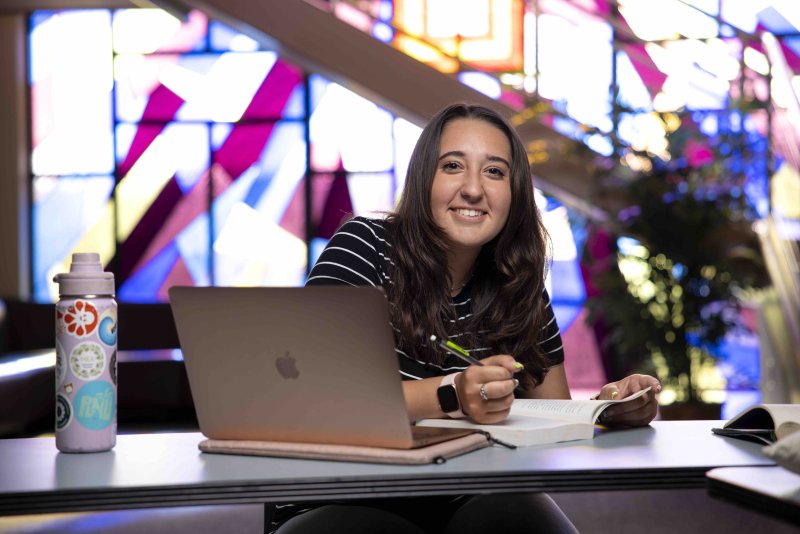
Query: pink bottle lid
85,277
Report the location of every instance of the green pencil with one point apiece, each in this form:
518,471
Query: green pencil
455,350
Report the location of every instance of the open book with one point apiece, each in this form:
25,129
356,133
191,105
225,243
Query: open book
763,423
540,421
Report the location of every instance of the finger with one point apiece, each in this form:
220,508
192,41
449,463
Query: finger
486,373
490,418
490,392
642,409
504,360
622,410
640,417
481,408
499,388
636,383
637,403
618,410
496,405
626,388
646,382
655,384
632,385
609,392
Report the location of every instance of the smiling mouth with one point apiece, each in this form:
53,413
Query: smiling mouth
468,212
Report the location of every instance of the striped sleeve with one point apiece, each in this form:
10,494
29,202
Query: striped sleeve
350,258
550,340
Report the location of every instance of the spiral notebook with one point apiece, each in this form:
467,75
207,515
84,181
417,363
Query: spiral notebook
269,367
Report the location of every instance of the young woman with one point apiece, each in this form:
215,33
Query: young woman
464,258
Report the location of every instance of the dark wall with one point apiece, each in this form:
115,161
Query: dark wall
31,326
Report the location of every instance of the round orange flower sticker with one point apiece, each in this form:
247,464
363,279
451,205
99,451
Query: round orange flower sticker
80,319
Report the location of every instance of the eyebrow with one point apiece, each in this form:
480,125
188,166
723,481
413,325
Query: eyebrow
461,154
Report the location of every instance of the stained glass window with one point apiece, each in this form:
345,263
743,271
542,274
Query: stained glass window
71,93
184,153
185,160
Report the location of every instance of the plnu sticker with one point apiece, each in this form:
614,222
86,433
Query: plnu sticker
63,412
87,361
95,405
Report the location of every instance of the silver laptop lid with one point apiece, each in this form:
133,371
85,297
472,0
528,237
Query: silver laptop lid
314,364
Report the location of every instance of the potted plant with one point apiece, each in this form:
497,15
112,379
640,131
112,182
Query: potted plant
667,295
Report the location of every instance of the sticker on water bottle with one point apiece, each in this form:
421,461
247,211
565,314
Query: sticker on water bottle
95,405
112,367
87,361
80,319
61,366
107,331
63,412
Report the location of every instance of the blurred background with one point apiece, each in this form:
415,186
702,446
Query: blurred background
223,142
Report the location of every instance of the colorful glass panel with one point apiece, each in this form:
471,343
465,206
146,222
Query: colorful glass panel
146,31
405,137
71,81
161,194
486,34
371,194
70,214
173,110
259,218
198,87
586,49
349,132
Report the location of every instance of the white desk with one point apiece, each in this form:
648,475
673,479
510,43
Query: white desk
774,490
151,470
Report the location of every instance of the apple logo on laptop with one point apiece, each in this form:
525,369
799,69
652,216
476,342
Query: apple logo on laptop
287,367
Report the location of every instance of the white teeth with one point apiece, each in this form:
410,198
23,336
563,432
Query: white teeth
469,213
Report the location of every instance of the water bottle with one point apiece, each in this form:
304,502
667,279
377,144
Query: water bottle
86,357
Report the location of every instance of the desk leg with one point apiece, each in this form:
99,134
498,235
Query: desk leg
269,515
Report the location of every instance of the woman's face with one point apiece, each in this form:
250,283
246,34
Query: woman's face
471,192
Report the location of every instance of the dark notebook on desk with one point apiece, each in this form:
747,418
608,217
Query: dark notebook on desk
312,365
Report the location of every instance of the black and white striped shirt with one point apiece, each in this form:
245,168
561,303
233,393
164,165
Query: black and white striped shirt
359,254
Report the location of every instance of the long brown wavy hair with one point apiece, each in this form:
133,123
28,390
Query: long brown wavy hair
508,307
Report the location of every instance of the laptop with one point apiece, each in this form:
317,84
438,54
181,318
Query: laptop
312,365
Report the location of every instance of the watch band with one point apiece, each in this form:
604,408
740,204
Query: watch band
448,381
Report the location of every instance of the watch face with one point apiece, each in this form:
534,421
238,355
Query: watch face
448,399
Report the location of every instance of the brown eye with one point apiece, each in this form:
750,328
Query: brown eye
450,166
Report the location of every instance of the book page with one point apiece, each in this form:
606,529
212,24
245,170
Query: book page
521,431
783,413
583,411
766,416
540,421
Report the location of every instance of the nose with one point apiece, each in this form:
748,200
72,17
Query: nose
471,186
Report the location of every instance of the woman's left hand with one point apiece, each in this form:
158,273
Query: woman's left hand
638,412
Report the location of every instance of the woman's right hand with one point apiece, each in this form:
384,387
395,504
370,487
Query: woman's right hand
496,376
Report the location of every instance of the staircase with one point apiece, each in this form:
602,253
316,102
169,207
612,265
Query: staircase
312,37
